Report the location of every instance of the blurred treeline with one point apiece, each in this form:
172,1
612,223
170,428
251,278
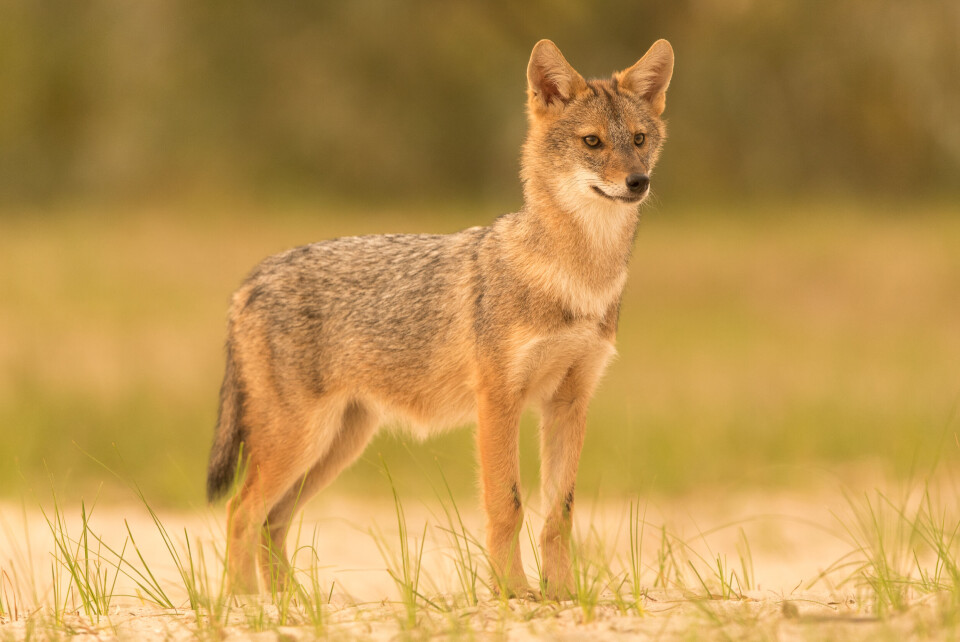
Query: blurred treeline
417,100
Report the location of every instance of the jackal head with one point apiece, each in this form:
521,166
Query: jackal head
593,143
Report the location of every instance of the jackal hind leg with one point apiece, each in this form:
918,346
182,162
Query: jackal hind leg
282,448
358,425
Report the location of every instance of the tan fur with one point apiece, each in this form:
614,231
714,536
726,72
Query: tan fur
328,341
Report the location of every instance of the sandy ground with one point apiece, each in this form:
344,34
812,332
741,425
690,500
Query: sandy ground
792,538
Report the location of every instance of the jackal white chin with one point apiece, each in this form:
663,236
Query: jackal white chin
621,196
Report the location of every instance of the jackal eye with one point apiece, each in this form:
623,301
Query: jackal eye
638,138
591,141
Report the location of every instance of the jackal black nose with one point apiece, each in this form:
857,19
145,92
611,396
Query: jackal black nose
638,182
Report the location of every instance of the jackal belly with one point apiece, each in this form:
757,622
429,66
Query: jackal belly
439,397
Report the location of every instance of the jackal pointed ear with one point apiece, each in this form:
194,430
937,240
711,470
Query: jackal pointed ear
551,81
650,76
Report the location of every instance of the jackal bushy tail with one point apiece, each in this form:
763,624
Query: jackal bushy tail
228,434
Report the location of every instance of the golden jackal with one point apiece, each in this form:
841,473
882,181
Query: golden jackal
328,340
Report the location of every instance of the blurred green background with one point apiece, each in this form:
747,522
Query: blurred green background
794,304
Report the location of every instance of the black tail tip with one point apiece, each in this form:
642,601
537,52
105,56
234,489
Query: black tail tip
217,484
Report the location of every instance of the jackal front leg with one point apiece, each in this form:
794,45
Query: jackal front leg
561,439
498,420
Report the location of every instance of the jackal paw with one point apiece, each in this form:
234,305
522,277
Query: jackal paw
243,585
557,592
557,586
514,586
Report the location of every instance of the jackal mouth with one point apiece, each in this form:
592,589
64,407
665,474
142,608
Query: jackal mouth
622,199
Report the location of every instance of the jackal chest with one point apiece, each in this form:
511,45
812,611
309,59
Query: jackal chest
538,362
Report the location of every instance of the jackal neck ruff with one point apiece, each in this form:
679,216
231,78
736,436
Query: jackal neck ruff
574,235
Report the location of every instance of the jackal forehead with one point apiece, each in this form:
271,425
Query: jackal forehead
608,113
615,111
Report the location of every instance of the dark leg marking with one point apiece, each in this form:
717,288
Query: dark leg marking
568,502
516,497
